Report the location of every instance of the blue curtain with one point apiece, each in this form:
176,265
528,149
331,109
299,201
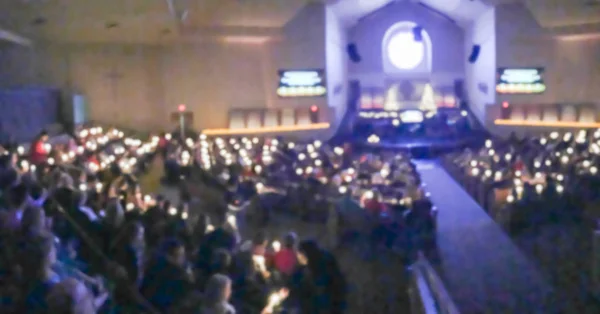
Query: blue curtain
25,112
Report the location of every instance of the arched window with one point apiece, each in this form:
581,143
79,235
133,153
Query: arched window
402,52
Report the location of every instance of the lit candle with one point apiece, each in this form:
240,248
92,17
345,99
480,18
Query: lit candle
232,221
276,246
210,228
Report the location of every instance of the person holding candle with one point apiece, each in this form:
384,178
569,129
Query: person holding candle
39,149
285,260
222,237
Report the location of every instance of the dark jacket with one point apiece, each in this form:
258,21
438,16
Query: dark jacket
165,285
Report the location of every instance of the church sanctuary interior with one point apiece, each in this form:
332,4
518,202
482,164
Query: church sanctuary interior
299,156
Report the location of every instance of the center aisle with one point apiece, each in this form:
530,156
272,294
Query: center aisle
483,270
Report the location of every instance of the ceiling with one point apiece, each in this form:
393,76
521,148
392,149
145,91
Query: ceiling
579,16
164,21
565,13
146,21
462,11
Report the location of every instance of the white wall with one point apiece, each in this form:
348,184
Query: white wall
337,65
480,77
572,71
447,43
209,77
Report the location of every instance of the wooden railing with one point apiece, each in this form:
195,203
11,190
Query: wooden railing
428,295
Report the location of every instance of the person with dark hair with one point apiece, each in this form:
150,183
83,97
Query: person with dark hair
163,144
17,200
285,260
38,153
128,251
38,256
167,281
220,238
33,222
259,243
37,194
220,263
326,276
250,293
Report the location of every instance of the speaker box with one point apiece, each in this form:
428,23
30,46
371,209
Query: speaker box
353,95
459,89
418,33
474,53
353,53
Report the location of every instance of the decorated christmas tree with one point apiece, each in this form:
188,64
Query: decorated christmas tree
428,99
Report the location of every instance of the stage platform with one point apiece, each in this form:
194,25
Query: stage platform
423,147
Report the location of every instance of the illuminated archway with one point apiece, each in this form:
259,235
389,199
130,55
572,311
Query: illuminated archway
402,53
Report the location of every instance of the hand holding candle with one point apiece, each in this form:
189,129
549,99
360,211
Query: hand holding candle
210,228
275,300
259,262
232,221
276,246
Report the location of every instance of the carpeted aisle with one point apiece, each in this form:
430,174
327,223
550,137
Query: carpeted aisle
482,268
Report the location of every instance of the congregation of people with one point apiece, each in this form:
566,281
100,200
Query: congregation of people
79,236
553,171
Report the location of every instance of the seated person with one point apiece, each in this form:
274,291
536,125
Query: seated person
167,282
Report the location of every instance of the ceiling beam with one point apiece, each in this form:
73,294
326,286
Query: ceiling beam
14,38
216,32
584,29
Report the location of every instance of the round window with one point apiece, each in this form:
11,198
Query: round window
404,52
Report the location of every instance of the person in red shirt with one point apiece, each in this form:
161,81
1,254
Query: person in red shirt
163,144
372,203
519,165
377,209
38,152
247,172
94,160
285,260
